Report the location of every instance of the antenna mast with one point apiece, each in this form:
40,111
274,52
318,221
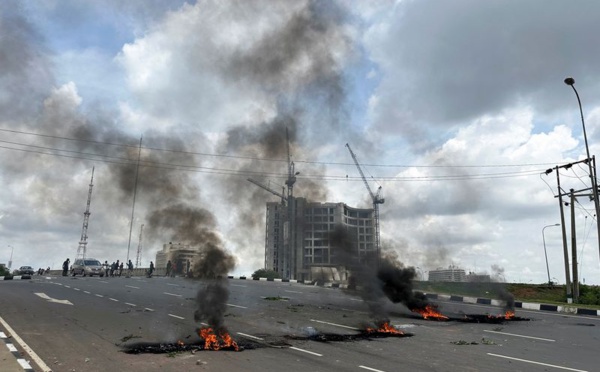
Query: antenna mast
86,218
138,259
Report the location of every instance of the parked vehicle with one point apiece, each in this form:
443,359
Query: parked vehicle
89,266
25,270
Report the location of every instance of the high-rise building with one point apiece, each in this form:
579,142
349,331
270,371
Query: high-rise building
302,250
182,256
451,274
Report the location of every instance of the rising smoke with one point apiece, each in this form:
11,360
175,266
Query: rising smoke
377,281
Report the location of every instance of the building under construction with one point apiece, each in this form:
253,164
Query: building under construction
309,255
182,257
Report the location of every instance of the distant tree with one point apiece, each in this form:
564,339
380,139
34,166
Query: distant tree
264,273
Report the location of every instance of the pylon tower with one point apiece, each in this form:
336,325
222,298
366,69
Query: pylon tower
86,218
138,259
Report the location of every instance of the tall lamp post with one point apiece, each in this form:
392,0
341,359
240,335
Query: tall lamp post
11,253
545,252
571,82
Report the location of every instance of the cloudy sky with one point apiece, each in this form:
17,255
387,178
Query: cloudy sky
455,108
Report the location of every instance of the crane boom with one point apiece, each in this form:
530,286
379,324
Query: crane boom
376,198
265,187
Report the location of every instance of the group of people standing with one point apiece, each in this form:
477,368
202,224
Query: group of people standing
116,268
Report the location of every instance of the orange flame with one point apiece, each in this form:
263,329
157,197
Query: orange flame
509,314
214,342
385,328
429,312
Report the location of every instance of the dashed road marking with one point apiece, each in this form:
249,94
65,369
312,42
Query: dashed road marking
334,324
241,307
26,348
148,309
99,295
370,369
127,303
250,336
516,335
172,294
113,299
306,351
538,363
88,292
293,291
175,316
130,286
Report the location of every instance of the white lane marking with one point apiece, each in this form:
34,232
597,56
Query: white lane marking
356,299
24,364
249,336
77,289
99,295
25,347
238,285
86,292
175,316
11,347
130,286
173,285
113,299
538,363
516,335
127,303
292,291
148,309
334,324
103,281
204,324
50,299
241,307
305,351
66,286
172,294
2,335
370,369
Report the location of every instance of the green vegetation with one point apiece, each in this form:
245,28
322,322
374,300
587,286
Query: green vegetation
263,273
542,293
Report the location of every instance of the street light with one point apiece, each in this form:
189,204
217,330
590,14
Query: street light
11,254
545,252
571,82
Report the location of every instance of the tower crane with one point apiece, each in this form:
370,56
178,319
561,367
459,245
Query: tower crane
377,199
265,187
86,219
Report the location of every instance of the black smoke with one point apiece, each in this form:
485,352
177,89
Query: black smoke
211,300
376,279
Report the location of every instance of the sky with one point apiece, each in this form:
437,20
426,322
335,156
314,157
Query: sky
455,108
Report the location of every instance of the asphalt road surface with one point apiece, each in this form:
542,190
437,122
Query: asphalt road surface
82,324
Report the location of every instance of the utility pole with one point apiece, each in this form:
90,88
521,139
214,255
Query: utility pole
564,236
574,249
137,170
291,180
81,249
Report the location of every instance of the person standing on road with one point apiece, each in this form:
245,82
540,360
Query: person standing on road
120,269
129,269
106,268
66,267
151,270
169,266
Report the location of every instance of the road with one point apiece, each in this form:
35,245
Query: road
81,324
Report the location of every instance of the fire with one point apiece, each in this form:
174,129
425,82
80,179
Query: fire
509,314
429,312
212,341
385,327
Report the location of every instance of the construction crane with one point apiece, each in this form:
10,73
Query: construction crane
138,258
86,219
377,199
265,187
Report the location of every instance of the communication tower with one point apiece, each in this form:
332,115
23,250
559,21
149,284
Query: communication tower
138,258
86,218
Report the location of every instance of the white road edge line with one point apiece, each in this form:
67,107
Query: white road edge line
370,369
305,351
334,324
538,363
250,336
25,347
516,335
175,316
